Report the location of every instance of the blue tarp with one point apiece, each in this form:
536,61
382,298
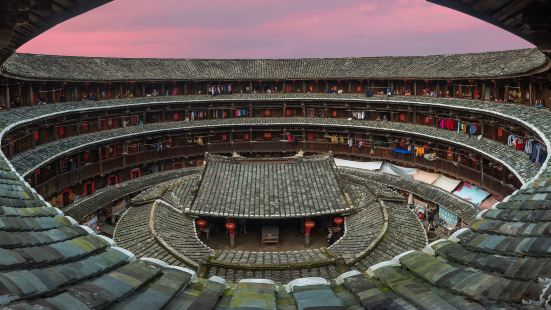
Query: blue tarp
447,216
471,193
400,151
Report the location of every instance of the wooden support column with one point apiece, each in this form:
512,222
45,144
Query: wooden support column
303,86
413,145
415,88
349,86
530,90
78,167
546,96
100,161
143,89
482,128
31,101
481,171
8,102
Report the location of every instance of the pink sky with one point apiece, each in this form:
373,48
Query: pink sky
271,29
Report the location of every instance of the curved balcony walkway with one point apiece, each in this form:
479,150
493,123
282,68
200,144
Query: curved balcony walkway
517,161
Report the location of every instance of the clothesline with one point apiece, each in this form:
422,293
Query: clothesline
50,91
390,142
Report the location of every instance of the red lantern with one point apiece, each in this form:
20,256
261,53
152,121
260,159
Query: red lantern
231,227
201,223
338,221
308,225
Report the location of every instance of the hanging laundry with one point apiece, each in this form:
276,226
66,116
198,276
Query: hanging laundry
528,146
219,89
512,140
419,151
401,151
290,138
537,152
358,115
476,93
473,129
520,144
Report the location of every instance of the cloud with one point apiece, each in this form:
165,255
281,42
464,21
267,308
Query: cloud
271,29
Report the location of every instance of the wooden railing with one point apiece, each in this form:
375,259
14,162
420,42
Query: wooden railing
54,184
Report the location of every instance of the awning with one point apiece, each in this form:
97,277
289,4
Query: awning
471,193
447,216
488,203
426,177
398,170
447,184
371,165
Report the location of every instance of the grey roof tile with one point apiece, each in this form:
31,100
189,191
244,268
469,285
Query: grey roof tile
457,66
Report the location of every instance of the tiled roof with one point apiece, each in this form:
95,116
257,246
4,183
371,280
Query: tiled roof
151,228
108,195
464,209
381,229
501,262
269,188
455,66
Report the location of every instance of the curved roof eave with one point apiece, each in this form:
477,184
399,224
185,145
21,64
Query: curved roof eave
24,20
487,65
